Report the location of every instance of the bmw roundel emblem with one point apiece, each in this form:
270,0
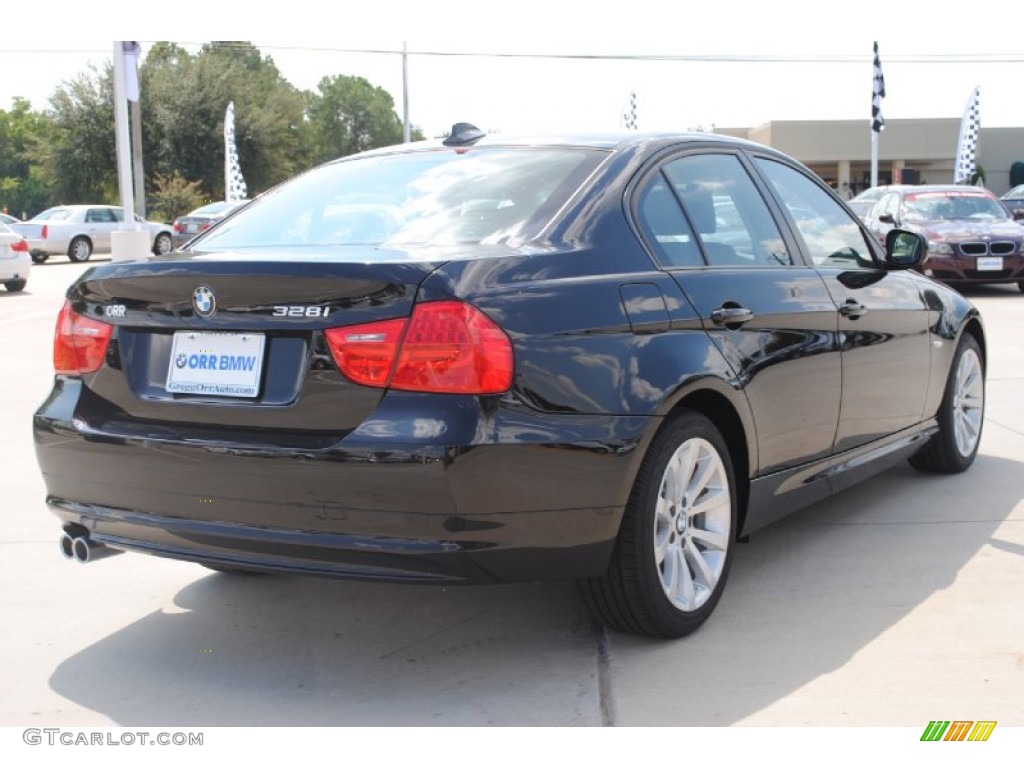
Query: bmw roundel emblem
180,360
204,301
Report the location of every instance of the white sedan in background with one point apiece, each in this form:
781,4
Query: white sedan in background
78,230
15,261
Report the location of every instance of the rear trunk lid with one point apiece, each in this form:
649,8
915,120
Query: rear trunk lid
231,342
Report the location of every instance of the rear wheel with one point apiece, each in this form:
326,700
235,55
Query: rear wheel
80,249
163,245
676,541
953,448
38,257
15,285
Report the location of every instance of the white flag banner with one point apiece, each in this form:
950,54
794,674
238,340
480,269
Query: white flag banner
877,94
131,51
629,113
967,145
234,184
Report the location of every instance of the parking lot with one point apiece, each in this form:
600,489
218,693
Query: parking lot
893,604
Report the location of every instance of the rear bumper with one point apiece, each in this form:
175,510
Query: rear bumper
50,247
529,497
15,268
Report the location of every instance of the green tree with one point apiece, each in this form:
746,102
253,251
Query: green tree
175,196
349,115
22,132
78,159
184,100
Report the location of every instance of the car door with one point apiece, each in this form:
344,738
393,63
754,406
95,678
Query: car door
100,222
772,319
883,320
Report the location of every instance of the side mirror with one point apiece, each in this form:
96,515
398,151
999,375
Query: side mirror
886,218
1018,214
904,249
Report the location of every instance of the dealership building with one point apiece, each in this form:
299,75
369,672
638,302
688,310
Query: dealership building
909,151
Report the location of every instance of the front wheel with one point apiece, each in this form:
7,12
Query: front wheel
163,244
38,257
80,249
15,285
953,448
675,545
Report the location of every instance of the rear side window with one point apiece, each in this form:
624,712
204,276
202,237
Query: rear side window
437,197
726,211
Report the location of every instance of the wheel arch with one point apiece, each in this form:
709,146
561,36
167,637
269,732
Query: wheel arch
974,328
738,435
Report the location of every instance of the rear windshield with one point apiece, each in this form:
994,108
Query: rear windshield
436,197
53,214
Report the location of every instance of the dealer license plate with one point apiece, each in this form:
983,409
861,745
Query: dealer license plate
225,364
990,263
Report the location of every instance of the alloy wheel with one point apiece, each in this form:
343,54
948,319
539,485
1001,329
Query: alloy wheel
968,402
693,516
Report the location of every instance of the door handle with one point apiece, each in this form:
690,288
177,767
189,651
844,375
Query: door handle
852,309
731,316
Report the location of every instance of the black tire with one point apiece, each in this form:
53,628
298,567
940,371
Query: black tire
961,413
15,285
163,244
80,249
1020,285
38,257
632,596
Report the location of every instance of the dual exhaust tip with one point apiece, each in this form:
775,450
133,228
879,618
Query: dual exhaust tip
83,549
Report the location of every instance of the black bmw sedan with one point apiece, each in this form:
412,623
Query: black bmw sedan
492,360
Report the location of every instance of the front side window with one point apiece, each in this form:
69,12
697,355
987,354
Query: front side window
437,197
831,236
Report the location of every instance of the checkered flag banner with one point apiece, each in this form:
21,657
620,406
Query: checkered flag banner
967,146
877,94
234,184
629,113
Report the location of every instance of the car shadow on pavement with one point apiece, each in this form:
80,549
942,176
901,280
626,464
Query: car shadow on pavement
869,608
282,650
807,597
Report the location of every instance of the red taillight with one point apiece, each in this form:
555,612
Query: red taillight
447,346
19,245
205,226
176,226
79,343
44,231
366,353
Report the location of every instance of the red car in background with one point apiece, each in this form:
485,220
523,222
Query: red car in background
972,238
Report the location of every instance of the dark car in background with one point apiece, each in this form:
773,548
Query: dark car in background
201,219
972,238
495,360
1014,201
